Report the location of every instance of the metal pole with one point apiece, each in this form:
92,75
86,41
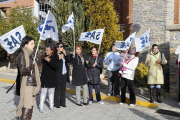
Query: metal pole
41,9
39,41
98,51
44,6
149,47
99,48
74,38
47,6
74,33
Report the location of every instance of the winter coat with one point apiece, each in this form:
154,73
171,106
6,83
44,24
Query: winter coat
23,71
130,68
155,71
79,76
49,73
94,72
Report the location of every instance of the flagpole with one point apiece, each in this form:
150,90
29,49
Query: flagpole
99,49
149,46
40,39
98,52
74,39
149,51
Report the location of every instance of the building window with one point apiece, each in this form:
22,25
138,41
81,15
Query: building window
44,6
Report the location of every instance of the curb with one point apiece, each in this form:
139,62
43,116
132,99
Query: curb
103,96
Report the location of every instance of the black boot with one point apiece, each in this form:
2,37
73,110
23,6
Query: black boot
31,113
26,114
158,93
151,95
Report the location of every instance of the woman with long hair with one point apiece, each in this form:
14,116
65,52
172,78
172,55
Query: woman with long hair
79,77
48,77
29,78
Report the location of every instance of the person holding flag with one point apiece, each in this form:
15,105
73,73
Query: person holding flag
94,66
29,83
79,78
113,60
127,78
155,77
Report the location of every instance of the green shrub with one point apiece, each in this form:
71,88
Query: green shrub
141,75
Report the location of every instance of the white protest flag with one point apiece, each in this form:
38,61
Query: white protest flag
130,40
94,36
70,24
121,45
50,29
11,41
142,41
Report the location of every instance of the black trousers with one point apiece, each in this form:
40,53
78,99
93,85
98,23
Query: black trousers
179,88
97,90
113,82
130,83
60,93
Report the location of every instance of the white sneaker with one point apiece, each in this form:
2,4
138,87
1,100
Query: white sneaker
179,103
118,96
100,102
121,103
132,105
108,94
90,102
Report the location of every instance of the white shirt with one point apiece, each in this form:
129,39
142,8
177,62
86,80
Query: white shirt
130,68
116,58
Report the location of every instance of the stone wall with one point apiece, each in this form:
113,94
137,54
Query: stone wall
158,15
173,68
153,14
173,71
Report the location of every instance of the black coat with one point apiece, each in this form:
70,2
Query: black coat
79,72
59,71
94,72
49,73
18,83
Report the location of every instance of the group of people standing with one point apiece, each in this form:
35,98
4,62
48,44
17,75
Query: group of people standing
118,63
86,74
55,74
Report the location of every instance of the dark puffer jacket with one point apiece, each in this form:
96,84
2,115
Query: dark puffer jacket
94,72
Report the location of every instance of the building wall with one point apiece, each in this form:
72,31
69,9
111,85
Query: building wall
162,17
26,3
11,4
152,14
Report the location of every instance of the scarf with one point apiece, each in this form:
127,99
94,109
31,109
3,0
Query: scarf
27,53
95,56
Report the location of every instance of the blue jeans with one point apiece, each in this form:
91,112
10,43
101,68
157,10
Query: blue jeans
157,86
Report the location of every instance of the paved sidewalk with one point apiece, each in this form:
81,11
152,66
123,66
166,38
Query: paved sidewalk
109,111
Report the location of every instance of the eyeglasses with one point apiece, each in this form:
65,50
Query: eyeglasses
60,46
